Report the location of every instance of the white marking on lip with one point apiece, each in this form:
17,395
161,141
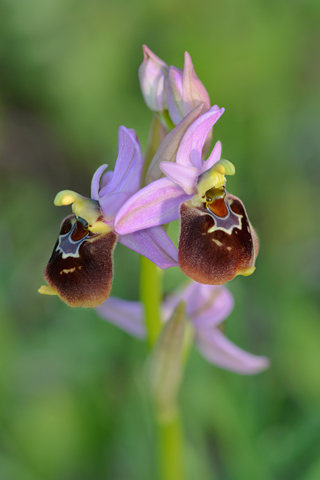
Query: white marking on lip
217,242
68,270
232,217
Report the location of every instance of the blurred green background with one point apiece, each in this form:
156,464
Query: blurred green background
73,402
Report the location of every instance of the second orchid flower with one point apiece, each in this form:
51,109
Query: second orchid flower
217,241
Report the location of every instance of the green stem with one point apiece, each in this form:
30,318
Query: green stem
170,447
151,297
166,120
168,422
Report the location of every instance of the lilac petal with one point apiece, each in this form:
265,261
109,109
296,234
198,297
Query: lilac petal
185,91
168,148
155,204
190,149
170,303
105,179
206,305
175,95
95,183
149,55
134,134
217,304
213,158
124,314
194,91
193,294
110,204
217,349
152,75
128,167
186,177
154,244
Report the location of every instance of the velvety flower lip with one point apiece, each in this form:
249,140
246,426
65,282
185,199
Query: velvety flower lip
207,306
80,269
159,202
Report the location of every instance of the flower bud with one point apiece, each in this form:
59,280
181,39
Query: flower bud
153,73
185,91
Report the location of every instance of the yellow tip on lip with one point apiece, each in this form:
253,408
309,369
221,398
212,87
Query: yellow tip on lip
47,290
83,207
65,197
248,272
224,167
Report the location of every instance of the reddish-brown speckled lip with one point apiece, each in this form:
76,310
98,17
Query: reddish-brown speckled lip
214,249
82,277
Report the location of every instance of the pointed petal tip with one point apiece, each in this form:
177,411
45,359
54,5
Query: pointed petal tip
188,65
220,351
131,133
146,51
254,367
95,182
187,56
148,54
215,109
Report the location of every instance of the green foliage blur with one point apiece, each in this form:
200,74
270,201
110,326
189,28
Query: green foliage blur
73,398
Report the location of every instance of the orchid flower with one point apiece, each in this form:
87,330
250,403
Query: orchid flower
170,88
80,269
207,306
217,241
130,205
